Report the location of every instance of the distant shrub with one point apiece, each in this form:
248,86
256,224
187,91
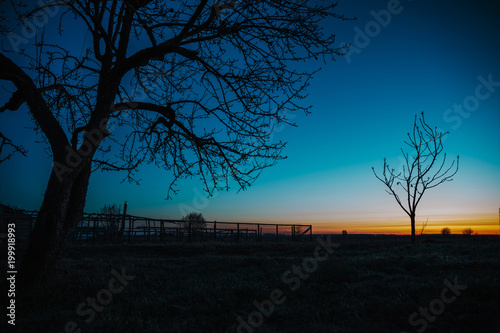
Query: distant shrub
111,223
445,231
194,221
113,209
467,232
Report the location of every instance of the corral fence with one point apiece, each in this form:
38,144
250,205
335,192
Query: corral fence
121,228
23,220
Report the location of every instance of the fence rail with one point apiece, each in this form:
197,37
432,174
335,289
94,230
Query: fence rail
115,228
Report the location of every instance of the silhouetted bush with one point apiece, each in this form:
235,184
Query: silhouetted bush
467,231
111,223
194,221
445,231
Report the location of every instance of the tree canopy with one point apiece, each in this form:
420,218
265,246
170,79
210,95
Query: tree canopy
195,87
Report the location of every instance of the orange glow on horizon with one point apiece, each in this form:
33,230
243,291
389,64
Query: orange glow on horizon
483,224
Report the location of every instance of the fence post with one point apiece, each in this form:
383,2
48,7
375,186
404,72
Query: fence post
123,220
93,232
215,230
130,226
87,230
162,230
149,230
237,232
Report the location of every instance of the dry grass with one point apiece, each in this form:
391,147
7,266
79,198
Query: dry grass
367,285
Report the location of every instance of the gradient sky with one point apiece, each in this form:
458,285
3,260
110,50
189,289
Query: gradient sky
429,57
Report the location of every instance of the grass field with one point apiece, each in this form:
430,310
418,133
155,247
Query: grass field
365,284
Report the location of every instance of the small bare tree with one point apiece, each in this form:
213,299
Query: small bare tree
423,168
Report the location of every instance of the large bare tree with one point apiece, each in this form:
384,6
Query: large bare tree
424,167
195,87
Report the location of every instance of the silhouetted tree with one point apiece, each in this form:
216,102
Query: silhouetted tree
445,231
467,231
196,88
194,221
423,168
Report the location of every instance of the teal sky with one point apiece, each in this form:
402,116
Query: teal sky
430,57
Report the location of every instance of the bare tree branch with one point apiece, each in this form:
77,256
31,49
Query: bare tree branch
7,144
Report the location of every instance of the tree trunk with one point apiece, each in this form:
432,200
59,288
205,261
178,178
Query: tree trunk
412,218
60,213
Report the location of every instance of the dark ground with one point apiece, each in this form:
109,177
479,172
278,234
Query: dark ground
367,284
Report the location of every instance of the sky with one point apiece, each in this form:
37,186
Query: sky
437,57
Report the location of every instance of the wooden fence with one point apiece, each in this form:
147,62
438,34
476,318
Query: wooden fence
119,228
